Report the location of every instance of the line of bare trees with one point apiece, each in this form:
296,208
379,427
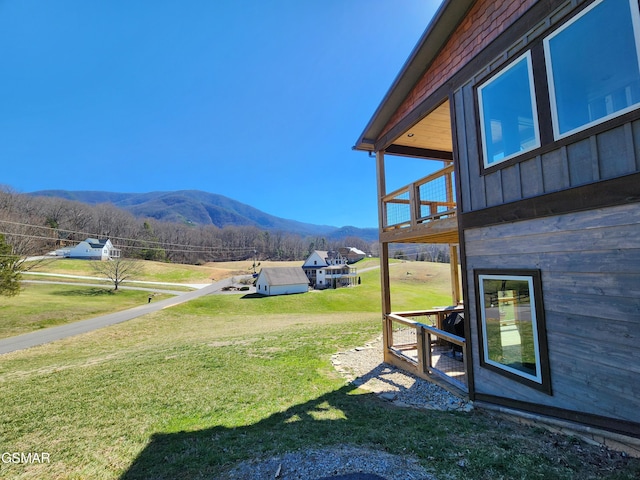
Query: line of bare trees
38,225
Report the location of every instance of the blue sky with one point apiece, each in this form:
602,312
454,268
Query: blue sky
257,100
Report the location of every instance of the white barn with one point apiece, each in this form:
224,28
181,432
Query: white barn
281,281
90,249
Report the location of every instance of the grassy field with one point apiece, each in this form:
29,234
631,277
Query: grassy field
42,305
188,391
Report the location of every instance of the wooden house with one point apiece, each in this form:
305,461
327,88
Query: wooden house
281,281
531,109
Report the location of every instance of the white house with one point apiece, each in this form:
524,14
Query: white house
281,281
328,269
90,249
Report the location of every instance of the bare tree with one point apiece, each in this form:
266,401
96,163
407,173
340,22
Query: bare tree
117,270
9,270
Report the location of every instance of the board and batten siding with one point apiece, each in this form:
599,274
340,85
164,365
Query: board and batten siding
591,293
610,154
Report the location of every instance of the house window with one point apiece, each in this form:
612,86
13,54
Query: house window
511,324
508,115
593,66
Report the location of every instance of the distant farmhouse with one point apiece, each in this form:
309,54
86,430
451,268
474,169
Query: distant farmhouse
90,249
281,281
323,269
330,269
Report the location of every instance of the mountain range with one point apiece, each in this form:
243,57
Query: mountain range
203,208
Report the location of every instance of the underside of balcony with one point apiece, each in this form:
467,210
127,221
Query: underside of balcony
442,230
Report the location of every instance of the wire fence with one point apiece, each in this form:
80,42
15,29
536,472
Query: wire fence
417,338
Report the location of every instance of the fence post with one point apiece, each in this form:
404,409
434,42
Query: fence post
420,334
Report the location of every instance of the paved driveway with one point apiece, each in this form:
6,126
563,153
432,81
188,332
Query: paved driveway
47,335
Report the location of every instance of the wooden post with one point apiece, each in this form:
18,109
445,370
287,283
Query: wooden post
387,335
414,204
422,347
382,190
455,274
384,257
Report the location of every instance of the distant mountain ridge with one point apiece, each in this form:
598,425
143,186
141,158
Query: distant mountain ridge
203,208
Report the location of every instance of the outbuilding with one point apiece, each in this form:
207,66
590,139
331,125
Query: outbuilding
281,281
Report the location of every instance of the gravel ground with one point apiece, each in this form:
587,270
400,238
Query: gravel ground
363,367
315,464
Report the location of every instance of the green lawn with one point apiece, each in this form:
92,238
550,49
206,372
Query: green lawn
188,391
40,305
44,305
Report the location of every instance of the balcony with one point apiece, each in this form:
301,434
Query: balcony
422,212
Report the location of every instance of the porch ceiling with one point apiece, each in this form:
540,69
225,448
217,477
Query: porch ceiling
429,138
433,132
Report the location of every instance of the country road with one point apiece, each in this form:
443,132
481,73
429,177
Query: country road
47,335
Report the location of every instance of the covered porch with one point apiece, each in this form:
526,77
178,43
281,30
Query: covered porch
423,211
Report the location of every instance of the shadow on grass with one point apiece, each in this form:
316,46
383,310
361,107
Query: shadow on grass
463,445
252,295
105,291
334,418
261,295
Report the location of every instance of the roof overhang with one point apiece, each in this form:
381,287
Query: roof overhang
443,24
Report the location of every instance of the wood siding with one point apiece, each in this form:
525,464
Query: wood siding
609,150
530,213
591,295
485,21
607,155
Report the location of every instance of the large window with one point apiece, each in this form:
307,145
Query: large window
512,325
593,67
508,116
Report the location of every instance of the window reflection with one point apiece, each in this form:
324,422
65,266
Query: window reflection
593,67
509,324
508,117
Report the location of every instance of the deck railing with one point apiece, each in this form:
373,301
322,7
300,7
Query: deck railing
416,338
428,199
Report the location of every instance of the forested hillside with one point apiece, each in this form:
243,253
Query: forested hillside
35,225
203,208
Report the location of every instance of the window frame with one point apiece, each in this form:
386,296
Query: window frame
542,381
557,135
533,98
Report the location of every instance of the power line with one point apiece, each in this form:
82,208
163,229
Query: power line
87,234
173,247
